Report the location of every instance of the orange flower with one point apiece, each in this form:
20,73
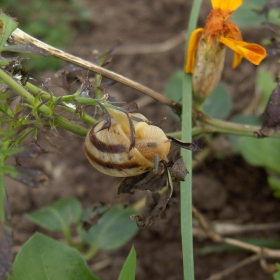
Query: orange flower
220,29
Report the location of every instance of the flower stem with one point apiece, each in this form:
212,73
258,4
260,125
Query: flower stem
186,186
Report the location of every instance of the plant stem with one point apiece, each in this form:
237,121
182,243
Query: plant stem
186,186
67,98
90,253
45,110
22,37
214,125
2,185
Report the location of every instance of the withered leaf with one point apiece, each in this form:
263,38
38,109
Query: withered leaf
31,151
271,115
158,209
107,122
30,177
184,145
179,170
127,184
26,48
131,107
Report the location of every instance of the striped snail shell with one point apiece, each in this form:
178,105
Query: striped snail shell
111,151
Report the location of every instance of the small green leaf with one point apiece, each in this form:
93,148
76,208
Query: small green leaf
274,184
261,152
266,83
7,26
113,229
245,16
242,119
174,88
44,258
276,275
58,215
129,267
218,104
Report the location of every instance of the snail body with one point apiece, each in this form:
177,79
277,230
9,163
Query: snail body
110,150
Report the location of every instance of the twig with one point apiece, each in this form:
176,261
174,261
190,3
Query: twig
141,48
226,272
22,37
260,251
227,228
152,48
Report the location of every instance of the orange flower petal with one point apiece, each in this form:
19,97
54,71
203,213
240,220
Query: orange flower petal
251,51
231,5
237,58
191,53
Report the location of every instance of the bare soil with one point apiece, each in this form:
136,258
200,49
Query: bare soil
225,190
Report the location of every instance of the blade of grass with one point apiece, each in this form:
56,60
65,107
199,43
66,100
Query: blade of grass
186,186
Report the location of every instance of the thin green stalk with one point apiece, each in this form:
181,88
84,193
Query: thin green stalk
2,185
215,125
90,253
67,98
45,110
186,186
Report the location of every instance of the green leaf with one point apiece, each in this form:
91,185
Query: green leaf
242,119
261,152
7,26
245,16
266,83
274,184
43,258
276,275
113,229
218,104
174,88
129,267
58,215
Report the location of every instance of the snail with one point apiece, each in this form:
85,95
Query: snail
129,145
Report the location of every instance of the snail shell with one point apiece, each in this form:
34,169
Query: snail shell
110,151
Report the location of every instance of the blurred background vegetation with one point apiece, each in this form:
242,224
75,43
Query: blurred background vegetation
53,22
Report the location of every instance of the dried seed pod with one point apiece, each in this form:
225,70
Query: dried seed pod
129,146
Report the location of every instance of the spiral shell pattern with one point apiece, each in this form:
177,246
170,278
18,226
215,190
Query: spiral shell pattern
109,150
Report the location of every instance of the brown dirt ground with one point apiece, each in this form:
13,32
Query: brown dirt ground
225,190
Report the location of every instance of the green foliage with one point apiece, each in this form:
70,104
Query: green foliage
259,152
44,258
129,267
174,86
265,82
58,215
7,24
246,17
113,229
50,21
274,184
217,105
276,275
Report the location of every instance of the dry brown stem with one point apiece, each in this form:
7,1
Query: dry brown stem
260,253
21,37
220,275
